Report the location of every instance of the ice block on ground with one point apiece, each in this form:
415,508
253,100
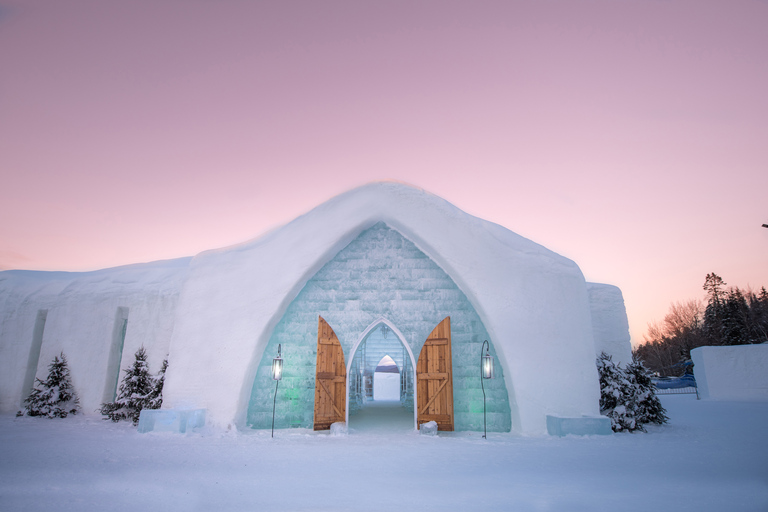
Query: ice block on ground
428,429
339,429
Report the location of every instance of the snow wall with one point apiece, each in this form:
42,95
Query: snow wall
610,326
731,373
97,319
532,302
379,275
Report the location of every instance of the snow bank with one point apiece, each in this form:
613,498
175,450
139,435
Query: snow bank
731,373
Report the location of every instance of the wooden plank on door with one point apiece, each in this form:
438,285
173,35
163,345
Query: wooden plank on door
330,378
434,375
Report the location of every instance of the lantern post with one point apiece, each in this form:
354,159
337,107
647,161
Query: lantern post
277,374
486,372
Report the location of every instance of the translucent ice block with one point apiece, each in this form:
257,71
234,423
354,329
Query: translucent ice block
339,429
428,429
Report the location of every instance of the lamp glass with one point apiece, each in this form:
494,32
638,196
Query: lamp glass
487,366
277,368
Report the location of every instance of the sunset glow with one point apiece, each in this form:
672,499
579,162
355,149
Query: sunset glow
629,136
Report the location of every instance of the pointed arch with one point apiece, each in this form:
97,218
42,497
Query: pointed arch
362,338
401,280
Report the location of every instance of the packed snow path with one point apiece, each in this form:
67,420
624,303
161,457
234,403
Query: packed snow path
381,416
711,457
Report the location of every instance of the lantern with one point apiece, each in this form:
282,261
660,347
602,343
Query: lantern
277,366
487,365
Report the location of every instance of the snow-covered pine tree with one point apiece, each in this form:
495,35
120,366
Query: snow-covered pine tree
135,392
55,397
713,313
617,395
649,408
156,398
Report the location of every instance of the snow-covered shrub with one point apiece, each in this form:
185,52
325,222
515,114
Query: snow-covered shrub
649,408
139,390
55,397
617,395
628,396
156,397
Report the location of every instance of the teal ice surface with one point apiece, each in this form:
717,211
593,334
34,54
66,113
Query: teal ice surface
380,274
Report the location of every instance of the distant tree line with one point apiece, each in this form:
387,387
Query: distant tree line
731,316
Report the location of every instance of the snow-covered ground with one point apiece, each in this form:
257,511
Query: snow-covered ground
712,456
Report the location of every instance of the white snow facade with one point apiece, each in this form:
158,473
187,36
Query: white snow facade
382,265
732,373
610,326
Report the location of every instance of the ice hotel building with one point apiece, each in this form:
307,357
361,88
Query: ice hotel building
383,269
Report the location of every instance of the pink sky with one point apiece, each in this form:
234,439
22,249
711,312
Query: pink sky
629,136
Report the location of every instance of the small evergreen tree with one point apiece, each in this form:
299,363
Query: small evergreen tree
55,397
649,408
617,395
136,392
156,397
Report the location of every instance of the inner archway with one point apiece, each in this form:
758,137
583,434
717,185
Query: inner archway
380,383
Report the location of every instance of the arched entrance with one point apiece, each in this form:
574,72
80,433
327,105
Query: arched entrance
380,278
380,339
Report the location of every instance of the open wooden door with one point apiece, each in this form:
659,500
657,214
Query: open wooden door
434,375
330,378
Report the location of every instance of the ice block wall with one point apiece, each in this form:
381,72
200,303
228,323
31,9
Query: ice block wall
380,274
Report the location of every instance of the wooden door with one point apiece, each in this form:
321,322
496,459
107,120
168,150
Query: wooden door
330,378
434,375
